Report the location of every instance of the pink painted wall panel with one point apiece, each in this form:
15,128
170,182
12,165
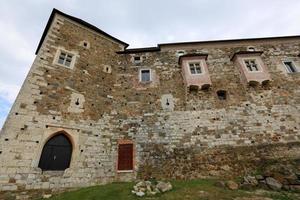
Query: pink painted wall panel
199,80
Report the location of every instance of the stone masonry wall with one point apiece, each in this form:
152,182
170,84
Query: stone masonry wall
195,135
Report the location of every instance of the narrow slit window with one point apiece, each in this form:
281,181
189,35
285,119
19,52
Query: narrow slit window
65,59
290,67
145,75
195,68
251,65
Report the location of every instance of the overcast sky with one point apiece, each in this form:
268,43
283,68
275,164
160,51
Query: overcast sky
140,23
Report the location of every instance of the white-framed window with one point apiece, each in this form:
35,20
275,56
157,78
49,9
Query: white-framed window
251,65
145,75
290,66
137,59
195,68
65,58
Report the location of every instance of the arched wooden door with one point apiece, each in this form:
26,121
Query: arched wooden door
56,154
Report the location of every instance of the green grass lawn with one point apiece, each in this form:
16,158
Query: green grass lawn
182,190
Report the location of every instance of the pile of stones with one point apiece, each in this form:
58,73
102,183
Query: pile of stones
149,188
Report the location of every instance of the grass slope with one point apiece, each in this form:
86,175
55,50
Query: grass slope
182,190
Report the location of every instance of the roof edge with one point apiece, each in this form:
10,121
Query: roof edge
245,53
159,46
230,40
81,22
139,50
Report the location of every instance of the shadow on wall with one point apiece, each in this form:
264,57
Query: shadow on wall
225,162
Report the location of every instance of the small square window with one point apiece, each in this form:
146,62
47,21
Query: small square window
137,59
65,59
195,68
222,94
145,75
251,65
290,67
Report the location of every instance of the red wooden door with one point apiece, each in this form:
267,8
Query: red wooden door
125,157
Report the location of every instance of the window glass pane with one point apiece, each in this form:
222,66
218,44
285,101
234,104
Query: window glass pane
251,65
68,63
61,60
195,68
192,69
255,67
290,67
198,70
145,75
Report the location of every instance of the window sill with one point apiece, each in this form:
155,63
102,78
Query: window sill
145,82
124,171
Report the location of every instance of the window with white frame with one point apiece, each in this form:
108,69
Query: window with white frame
137,59
251,65
145,75
195,68
290,66
65,59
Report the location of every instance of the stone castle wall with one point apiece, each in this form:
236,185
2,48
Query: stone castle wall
194,135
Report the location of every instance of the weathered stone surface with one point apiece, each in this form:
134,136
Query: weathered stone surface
232,185
164,186
273,183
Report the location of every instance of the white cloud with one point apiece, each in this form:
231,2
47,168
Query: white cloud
9,92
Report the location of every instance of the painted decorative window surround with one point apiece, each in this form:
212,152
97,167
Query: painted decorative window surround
65,58
195,71
251,67
126,162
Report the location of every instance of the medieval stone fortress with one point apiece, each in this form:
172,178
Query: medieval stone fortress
93,111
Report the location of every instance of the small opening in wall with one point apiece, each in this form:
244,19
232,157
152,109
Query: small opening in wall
16,113
222,94
81,150
107,69
77,102
91,124
0,152
250,48
37,142
85,44
137,59
46,126
53,117
35,102
41,92
167,103
6,139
